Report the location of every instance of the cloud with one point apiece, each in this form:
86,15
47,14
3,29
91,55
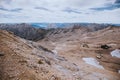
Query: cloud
6,16
117,1
11,10
69,10
42,8
111,6
99,11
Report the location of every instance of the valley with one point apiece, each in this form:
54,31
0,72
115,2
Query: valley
69,53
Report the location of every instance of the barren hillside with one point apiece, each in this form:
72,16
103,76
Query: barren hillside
88,45
75,57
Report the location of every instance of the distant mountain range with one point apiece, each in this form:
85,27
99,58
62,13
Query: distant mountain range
62,25
37,31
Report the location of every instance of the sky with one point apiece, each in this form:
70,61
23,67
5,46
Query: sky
60,11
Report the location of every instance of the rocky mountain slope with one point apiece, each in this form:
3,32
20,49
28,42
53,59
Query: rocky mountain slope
65,33
24,31
89,47
26,60
64,54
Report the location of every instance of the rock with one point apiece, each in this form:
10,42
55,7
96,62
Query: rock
99,57
105,46
85,45
1,54
53,77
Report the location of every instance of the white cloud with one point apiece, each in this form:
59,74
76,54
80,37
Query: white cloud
53,11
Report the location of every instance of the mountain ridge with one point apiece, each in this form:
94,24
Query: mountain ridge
30,32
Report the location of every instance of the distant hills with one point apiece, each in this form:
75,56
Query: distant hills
24,31
37,31
62,25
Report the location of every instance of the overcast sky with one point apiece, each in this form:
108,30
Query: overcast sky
92,11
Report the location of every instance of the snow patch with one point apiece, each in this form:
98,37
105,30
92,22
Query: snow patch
115,53
93,62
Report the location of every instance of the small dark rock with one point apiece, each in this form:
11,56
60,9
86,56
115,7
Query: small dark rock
105,46
1,54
